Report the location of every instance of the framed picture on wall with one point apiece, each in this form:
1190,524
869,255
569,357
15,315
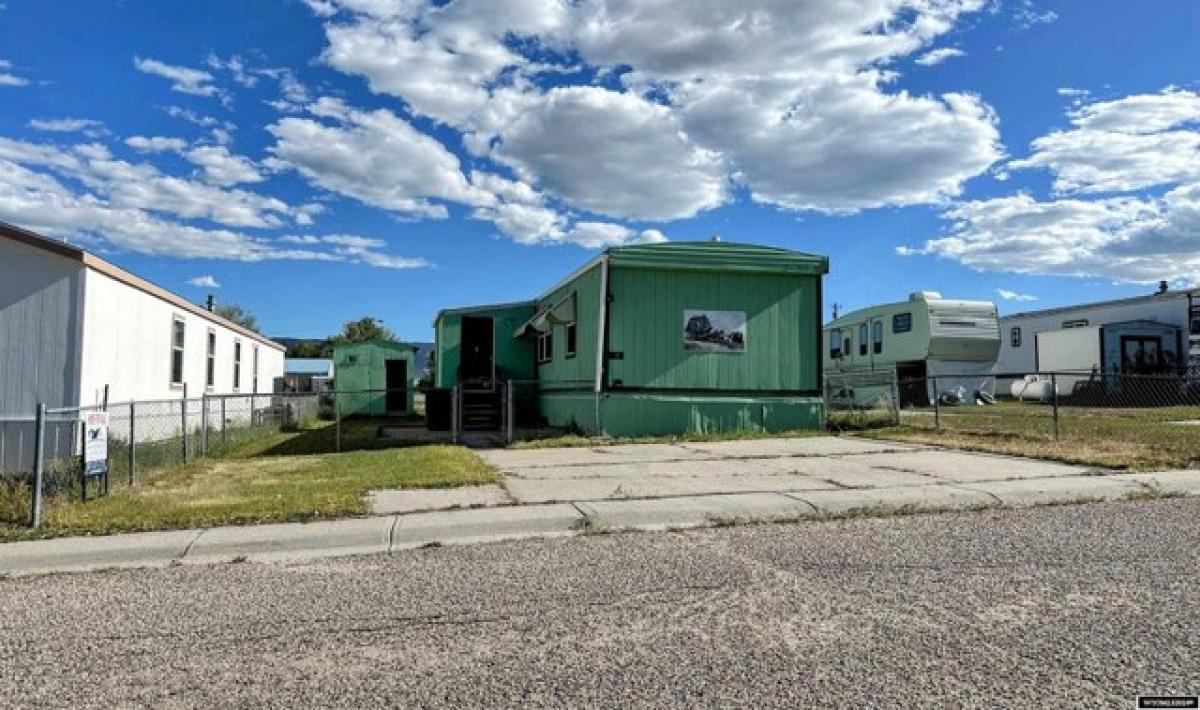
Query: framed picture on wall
714,331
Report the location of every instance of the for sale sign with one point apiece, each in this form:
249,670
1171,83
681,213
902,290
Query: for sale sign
95,444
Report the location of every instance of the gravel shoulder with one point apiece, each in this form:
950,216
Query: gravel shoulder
1088,605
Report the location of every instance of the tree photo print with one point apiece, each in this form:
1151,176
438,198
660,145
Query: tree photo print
714,331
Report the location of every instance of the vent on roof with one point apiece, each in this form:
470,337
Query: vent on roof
924,296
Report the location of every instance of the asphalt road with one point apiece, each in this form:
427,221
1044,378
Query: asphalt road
1090,605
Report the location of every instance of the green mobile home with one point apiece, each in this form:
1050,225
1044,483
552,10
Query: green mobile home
672,338
382,370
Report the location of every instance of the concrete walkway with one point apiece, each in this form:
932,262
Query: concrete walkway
562,492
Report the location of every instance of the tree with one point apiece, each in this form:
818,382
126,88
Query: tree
362,330
309,349
235,313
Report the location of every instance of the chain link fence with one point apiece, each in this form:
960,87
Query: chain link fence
42,456
1044,405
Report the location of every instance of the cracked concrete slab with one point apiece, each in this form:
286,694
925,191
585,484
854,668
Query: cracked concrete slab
292,541
798,446
651,486
965,467
486,525
1039,491
92,553
1185,482
917,498
691,511
414,500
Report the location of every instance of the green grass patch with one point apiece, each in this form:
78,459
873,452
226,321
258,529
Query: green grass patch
271,477
1128,438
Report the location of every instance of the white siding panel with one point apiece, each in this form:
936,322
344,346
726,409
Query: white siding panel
127,346
39,328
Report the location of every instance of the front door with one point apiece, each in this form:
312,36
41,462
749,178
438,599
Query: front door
397,386
477,350
1141,354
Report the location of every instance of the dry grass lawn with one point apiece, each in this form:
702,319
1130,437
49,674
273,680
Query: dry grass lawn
273,478
1138,439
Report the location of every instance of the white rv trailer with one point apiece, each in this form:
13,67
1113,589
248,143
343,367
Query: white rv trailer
925,337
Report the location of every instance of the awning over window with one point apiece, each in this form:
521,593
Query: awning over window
560,313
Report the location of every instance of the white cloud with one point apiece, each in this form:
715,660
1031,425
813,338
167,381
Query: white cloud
86,126
772,94
205,281
613,154
1123,239
235,66
375,157
1123,145
142,186
937,56
1027,15
7,78
183,79
156,144
364,250
1014,296
220,167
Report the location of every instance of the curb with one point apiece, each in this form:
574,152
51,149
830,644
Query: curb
294,542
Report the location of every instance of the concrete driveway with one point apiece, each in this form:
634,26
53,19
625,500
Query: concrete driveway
809,464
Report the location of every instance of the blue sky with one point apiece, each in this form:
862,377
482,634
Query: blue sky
323,160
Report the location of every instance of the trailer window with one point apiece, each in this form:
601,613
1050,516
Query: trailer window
545,347
210,371
1014,336
877,336
177,340
237,365
902,323
862,339
835,344
1077,323
571,339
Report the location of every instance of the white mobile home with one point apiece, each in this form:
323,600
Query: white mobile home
926,336
72,324
1020,351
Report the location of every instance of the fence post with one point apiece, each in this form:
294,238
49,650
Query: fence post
183,422
937,405
132,443
454,414
337,421
1054,399
204,425
39,443
510,411
896,396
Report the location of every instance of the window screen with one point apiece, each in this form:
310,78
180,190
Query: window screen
877,336
902,323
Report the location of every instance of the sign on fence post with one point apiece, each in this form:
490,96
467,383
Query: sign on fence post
95,444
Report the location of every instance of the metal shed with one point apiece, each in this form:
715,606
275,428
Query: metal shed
380,369
676,337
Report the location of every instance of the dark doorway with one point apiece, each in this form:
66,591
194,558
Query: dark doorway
912,384
476,366
396,399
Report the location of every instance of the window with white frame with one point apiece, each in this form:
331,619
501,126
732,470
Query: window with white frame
545,346
877,337
254,365
210,362
1014,336
862,339
177,340
835,344
237,365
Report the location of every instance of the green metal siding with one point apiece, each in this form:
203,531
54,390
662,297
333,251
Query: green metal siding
578,372
646,326
514,356
361,366
630,414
